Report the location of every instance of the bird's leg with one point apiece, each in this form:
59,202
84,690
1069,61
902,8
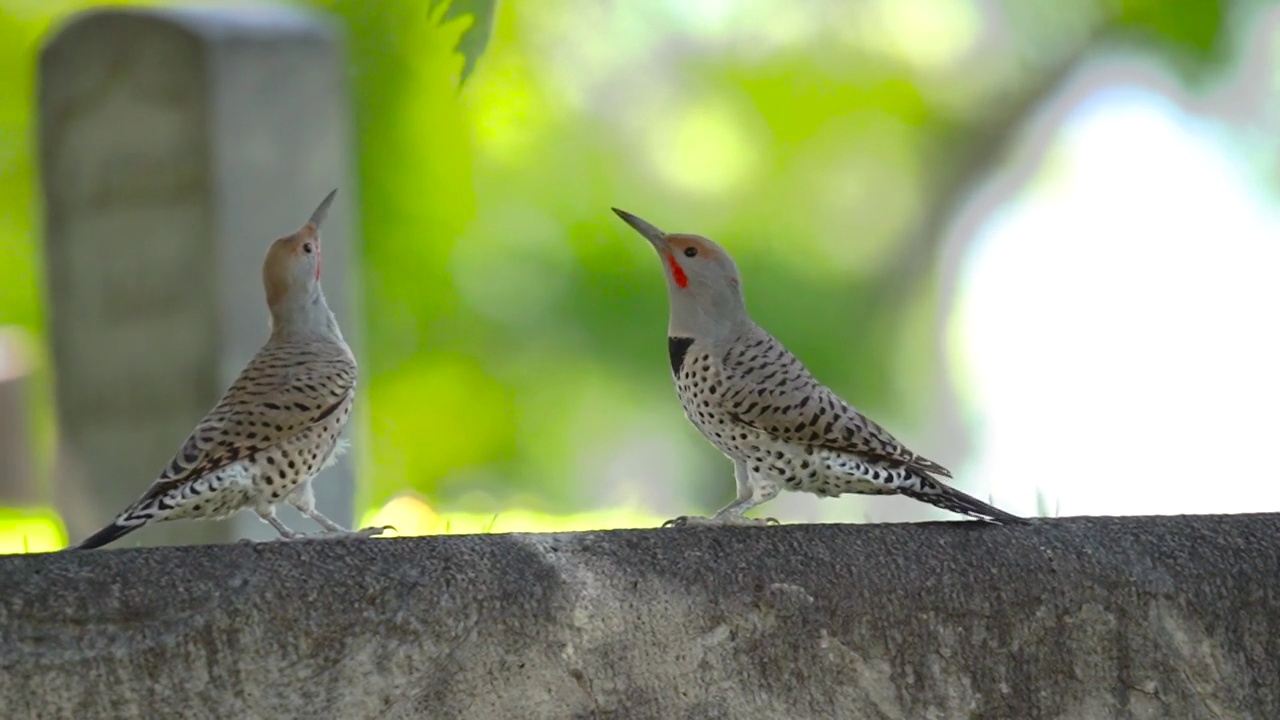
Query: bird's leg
752,491
757,491
267,514
338,531
304,499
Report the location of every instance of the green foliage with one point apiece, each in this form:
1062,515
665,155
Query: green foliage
1191,36
475,38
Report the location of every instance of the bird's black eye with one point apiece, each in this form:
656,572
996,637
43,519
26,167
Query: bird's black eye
306,248
691,251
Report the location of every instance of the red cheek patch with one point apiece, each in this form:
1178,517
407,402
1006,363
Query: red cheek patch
677,272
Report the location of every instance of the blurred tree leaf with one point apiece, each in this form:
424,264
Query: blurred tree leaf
1196,27
474,39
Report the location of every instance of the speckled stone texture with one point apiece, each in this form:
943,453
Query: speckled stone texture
1156,617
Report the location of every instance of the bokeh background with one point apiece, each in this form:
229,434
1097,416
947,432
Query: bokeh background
1037,240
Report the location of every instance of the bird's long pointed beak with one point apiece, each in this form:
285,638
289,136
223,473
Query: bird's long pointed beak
317,217
650,233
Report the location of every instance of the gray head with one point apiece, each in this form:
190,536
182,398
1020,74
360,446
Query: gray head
291,275
702,282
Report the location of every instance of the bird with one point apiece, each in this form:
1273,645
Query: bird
757,403
277,426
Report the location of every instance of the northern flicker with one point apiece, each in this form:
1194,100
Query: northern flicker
277,426
759,405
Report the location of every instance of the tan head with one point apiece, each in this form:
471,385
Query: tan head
291,272
702,282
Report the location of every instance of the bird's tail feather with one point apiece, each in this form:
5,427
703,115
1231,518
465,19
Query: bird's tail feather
110,533
948,498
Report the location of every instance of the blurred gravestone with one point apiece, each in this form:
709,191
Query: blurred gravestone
175,145
17,468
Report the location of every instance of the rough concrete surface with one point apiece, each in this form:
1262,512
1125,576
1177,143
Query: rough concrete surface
1156,617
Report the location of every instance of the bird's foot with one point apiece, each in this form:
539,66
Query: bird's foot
370,532
719,521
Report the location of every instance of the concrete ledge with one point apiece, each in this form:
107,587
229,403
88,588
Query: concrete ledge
1074,618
